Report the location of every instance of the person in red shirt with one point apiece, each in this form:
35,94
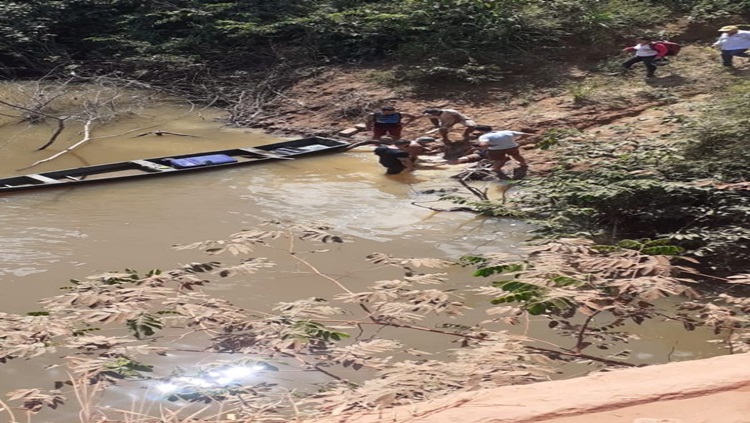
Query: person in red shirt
387,121
646,51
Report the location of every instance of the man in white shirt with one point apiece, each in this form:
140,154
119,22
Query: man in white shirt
501,146
732,42
444,119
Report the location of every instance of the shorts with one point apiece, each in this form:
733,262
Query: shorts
467,123
502,154
394,131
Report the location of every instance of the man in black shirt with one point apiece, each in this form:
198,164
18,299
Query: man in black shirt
395,159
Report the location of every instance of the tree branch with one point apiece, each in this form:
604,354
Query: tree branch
86,138
582,332
60,128
585,356
482,195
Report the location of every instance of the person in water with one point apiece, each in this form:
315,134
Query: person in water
476,153
420,146
394,158
388,121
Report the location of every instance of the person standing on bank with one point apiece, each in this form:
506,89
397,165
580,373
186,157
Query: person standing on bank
732,42
387,121
646,51
394,158
501,146
444,119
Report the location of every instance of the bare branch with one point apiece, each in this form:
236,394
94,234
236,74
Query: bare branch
26,109
160,133
86,138
482,195
60,128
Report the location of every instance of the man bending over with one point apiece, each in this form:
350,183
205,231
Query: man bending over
445,119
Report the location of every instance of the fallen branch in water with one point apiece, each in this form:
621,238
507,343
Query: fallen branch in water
104,102
454,209
160,133
87,134
481,194
603,360
86,138
60,128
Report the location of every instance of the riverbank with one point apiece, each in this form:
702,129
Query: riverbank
715,390
650,154
601,163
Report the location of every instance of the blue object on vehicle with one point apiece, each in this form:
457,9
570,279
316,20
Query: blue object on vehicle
212,159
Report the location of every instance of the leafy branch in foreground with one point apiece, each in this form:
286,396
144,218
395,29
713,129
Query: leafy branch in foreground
146,314
587,293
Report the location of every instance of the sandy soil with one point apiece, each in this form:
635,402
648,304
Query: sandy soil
724,407
715,390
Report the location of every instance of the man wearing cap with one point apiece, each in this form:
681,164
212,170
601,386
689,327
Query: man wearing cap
732,42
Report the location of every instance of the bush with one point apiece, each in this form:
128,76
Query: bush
719,143
614,190
465,40
434,72
707,10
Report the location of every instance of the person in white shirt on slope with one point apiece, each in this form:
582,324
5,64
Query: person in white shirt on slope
732,42
646,51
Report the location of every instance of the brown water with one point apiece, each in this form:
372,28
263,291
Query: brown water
48,237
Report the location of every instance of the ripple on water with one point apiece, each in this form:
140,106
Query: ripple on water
355,207
20,242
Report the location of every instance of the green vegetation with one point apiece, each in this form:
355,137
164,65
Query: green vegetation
718,141
467,40
689,191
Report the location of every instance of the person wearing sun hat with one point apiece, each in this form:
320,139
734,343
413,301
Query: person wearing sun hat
733,42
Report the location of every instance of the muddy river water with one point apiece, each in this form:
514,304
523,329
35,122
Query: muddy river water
49,237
